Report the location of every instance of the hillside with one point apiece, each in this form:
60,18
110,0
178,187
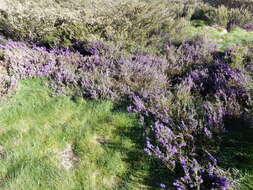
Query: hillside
126,94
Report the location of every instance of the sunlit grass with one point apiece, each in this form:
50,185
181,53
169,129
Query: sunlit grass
224,39
37,127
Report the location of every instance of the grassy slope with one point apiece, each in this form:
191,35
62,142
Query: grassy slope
36,127
237,36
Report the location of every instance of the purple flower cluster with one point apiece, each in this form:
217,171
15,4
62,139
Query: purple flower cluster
189,54
179,144
225,91
182,131
219,78
28,62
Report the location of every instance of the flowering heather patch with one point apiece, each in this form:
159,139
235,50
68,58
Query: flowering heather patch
183,130
219,81
182,99
190,53
143,74
181,142
28,62
183,90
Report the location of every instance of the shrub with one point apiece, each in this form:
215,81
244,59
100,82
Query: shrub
50,32
7,83
144,74
224,16
219,16
200,13
179,122
182,98
240,17
143,27
189,54
64,34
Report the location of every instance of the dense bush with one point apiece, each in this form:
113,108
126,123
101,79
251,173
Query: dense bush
224,16
142,27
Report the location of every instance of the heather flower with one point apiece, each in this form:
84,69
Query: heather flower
162,185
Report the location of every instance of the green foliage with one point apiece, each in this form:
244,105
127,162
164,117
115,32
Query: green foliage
238,58
219,16
138,27
64,34
43,30
36,126
223,16
237,152
143,26
240,16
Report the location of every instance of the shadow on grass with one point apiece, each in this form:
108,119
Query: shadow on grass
237,145
145,172
237,150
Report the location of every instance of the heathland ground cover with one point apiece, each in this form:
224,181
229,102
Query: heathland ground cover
126,94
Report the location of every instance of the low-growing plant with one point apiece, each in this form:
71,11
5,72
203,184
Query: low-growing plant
189,54
240,17
219,16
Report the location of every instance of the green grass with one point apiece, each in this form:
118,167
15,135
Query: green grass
105,143
237,152
236,37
